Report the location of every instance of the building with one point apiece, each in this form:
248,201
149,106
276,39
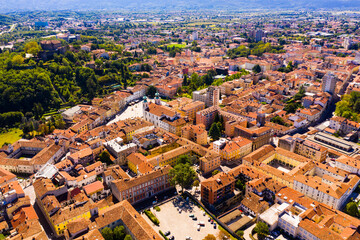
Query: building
329,83
304,148
259,136
343,125
124,214
190,110
232,150
210,96
195,133
253,204
216,189
348,164
142,187
327,188
163,117
257,35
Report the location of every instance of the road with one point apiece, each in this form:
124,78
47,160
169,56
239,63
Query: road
10,30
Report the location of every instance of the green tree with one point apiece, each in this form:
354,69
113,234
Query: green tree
196,184
240,233
215,132
185,81
182,175
352,209
128,237
150,91
183,159
256,68
107,233
215,172
261,229
119,233
105,157
32,48
17,60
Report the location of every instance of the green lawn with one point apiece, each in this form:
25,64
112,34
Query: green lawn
177,45
11,136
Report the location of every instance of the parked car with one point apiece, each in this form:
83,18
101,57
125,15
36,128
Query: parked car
201,223
180,210
194,218
204,214
167,233
171,238
214,225
198,227
209,219
188,238
191,215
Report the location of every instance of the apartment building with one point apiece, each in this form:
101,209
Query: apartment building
216,189
210,96
303,147
343,125
348,164
195,133
232,150
326,189
190,110
142,187
259,136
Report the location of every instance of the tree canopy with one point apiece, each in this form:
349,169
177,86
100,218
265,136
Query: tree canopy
182,175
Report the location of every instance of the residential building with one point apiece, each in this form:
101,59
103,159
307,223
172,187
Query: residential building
142,187
216,189
195,133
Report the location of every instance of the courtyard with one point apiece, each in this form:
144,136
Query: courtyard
170,219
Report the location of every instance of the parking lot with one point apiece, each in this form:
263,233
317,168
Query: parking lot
181,225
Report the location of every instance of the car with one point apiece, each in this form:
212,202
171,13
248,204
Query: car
198,227
191,215
167,233
201,223
194,218
188,238
209,219
171,238
204,214
180,210
215,225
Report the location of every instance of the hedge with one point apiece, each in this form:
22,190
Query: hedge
152,217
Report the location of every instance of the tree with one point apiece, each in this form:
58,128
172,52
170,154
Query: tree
183,159
210,237
150,91
32,48
215,132
215,172
240,233
196,184
185,81
107,233
256,68
105,157
261,229
352,209
17,60
128,237
182,175
119,233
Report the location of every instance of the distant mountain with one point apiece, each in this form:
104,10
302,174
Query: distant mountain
140,5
